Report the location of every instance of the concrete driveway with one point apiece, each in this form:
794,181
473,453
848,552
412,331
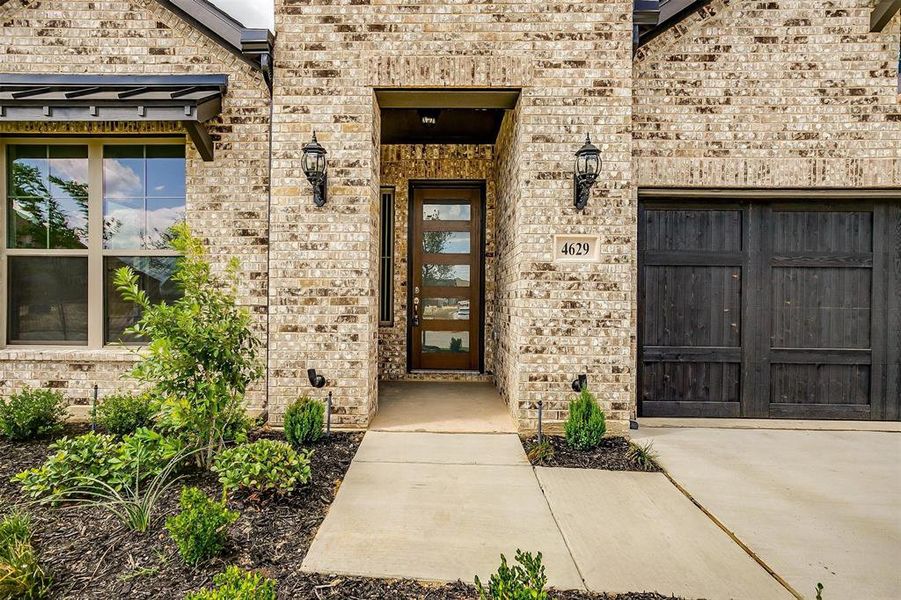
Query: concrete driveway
814,506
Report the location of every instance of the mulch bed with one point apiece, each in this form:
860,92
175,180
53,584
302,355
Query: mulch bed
90,555
332,587
611,455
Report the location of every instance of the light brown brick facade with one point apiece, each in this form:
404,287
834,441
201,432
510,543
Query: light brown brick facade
770,94
227,199
572,62
791,93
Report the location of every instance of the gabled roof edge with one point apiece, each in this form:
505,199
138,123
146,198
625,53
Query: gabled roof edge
252,45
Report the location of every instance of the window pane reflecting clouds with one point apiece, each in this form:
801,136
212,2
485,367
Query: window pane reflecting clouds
445,242
144,195
47,205
446,212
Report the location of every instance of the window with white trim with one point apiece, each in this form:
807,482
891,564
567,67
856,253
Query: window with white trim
74,212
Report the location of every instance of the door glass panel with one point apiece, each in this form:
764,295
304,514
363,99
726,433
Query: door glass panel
446,212
445,341
456,309
445,275
445,242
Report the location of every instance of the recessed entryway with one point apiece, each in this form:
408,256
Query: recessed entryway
442,407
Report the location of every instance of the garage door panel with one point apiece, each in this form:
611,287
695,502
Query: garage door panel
691,382
814,291
821,307
692,306
821,231
820,384
692,230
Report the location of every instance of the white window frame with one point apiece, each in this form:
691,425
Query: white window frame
95,251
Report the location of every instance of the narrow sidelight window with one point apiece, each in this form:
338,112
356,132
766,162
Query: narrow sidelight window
386,258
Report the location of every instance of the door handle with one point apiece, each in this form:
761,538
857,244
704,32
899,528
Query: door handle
416,310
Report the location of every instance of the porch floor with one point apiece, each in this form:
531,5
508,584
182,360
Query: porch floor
441,407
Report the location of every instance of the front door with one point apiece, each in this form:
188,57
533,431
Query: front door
446,277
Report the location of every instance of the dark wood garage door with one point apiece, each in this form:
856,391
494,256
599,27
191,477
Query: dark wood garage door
768,309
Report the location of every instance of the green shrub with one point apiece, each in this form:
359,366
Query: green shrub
32,413
263,466
235,584
540,451
643,455
303,421
77,463
121,414
202,353
201,528
524,581
586,423
21,575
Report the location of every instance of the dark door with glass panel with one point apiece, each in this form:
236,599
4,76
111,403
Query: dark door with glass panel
446,277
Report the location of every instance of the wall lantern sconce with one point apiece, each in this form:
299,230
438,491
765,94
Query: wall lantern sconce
588,165
315,168
580,383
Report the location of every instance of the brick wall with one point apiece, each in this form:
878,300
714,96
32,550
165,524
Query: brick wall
227,199
572,61
793,93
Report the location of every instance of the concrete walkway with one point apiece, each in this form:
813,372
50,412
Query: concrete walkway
442,507
815,506
441,407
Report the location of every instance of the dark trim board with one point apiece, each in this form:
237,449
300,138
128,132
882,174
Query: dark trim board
759,306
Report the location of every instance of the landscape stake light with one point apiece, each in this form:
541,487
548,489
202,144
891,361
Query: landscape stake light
540,417
316,380
588,165
328,414
315,168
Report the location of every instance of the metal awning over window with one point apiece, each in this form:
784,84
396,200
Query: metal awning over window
189,99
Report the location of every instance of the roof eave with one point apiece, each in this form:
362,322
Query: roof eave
252,45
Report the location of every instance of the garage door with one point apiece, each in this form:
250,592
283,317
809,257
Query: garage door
768,309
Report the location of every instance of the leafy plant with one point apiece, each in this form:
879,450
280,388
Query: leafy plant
134,505
524,581
303,421
202,354
235,584
21,575
32,413
263,466
122,414
586,424
540,451
78,463
643,454
200,529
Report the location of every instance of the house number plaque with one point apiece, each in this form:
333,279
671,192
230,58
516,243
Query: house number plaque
577,248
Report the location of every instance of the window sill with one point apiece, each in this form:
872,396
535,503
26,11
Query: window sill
69,353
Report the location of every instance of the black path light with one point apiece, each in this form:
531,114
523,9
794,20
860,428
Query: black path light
315,168
318,381
588,165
